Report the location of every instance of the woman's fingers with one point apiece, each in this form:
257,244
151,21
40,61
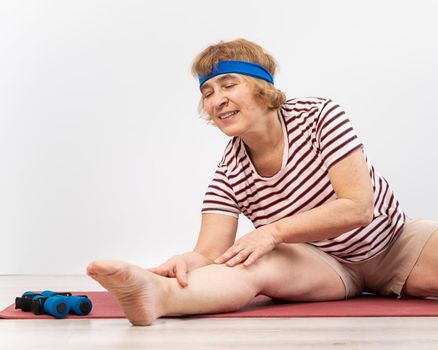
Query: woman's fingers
242,255
178,270
155,270
162,270
229,253
252,258
181,274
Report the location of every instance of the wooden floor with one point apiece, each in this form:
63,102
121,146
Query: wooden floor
184,333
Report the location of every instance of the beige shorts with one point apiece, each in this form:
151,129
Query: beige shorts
387,272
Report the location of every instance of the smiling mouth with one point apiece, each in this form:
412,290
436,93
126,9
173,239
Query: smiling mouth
228,115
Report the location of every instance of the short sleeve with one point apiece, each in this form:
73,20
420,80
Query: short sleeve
219,198
335,136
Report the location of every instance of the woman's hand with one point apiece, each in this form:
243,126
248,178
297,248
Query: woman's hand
179,265
251,246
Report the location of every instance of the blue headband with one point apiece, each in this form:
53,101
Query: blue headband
247,68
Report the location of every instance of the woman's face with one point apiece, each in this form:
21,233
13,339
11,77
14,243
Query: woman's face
230,103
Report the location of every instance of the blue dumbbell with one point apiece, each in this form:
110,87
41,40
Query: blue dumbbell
55,305
26,301
78,304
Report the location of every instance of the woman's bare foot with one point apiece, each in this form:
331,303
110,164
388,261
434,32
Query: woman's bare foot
136,289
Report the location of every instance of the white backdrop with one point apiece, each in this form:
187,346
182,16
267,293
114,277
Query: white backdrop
103,155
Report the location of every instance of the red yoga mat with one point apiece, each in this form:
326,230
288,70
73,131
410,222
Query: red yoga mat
106,306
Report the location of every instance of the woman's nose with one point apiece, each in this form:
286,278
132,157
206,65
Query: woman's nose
220,101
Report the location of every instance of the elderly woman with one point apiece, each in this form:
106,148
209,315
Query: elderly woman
327,225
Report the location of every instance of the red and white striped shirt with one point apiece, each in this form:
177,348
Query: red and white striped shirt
317,135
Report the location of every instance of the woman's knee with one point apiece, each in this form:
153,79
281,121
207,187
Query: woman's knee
422,283
293,272
423,279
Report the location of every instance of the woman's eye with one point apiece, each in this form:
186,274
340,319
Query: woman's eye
229,85
207,94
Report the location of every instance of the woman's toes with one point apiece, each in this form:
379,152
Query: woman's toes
104,267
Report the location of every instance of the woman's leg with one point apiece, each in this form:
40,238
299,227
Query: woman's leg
423,279
289,272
